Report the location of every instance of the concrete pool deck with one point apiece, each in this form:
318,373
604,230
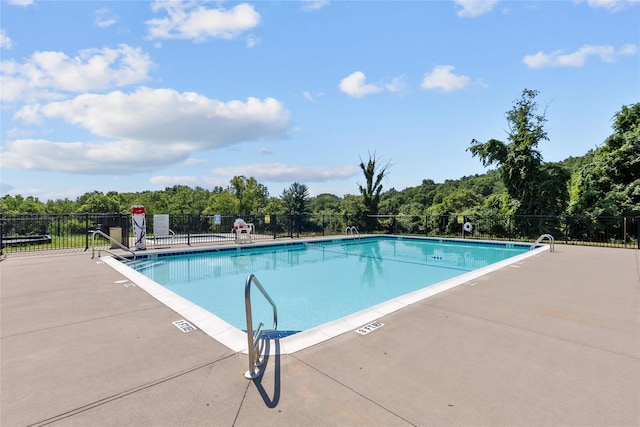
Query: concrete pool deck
552,340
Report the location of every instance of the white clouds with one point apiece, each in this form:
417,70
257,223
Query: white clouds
354,85
442,77
164,116
104,18
280,172
5,41
312,96
610,5
396,85
264,172
47,73
146,129
473,8
192,181
311,5
252,40
21,2
86,158
606,53
191,20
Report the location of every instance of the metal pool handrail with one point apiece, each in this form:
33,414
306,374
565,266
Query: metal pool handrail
254,338
541,238
112,240
353,231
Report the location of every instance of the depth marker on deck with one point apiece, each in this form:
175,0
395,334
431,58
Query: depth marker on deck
184,326
369,328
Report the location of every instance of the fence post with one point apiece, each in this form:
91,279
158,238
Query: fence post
1,235
124,224
274,225
638,230
426,225
86,231
189,225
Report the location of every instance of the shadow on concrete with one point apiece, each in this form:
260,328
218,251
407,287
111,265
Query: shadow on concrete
271,401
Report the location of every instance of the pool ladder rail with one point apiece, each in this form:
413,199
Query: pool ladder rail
254,338
352,231
541,238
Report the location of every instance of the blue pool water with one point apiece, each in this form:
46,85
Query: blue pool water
315,283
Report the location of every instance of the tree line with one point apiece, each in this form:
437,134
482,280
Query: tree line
603,182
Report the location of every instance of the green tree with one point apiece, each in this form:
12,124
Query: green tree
553,189
520,162
327,204
251,194
223,203
353,211
374,173
610,184
97,202
391,201
153,201
21,205
182,199
274,206
296,199
60,206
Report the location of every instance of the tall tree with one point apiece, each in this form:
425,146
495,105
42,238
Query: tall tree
520,162
223,203
325,204
97,202
374,173
610,184
296,199
186,200
19,205
252,195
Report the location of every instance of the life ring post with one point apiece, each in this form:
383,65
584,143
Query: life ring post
467,227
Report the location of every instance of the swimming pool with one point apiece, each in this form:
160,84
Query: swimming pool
323,287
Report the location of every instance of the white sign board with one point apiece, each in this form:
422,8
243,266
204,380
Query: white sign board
161,225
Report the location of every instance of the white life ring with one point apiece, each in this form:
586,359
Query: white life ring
468,227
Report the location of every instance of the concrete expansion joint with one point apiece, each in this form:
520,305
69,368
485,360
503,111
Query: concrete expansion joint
84,321
530,331
125,393
364,396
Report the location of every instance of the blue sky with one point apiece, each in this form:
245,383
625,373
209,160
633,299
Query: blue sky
140,95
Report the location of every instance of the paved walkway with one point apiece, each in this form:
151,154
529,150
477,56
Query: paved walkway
554,340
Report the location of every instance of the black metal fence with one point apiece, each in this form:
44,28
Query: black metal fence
31,232
621,232
73,231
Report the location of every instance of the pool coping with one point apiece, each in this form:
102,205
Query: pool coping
237,340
